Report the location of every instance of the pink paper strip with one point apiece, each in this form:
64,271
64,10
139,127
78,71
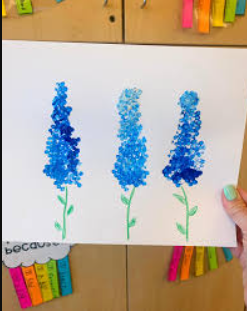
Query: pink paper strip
187,20
20,288
176,256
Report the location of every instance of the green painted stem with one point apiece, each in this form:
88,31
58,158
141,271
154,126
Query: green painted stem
128,213
187,214
65,214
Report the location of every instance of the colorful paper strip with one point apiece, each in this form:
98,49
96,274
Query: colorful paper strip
230,11
53,276
20,288
241,7
218,11
228,254
199,264
176,256
187,20
44,282
212,258
4,12
185,270
204,16
63,267
24,7
32,285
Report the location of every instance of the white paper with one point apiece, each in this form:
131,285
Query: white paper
96,75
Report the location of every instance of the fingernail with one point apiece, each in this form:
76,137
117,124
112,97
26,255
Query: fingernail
230,193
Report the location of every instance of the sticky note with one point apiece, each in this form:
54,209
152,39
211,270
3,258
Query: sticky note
173,269
4,13
199,263
241,7
218,11
230,11
53,276
185,269
44,282
227,253
204,16
24,7
20,288
32,285
64,276
187,16
212,258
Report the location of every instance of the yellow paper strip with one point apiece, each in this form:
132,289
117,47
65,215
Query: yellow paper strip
199,265
4,13
218,13
44,282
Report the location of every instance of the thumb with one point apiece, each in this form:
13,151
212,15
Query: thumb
235,207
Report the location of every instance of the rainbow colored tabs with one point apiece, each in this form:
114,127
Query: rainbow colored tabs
218,11
176,256
64,274
32,285
53,276
187,16
44,282
4,12
241,7
212,258
204,16
24,7
230,11
20,288
199,264
228,254
185,270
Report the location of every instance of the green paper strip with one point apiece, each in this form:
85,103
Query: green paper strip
53,277
24,7
212,258
230,11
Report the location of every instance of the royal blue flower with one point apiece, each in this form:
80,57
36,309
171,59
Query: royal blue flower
130,167
186,161
62,149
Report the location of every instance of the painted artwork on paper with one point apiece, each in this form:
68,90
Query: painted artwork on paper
130,168
63,155
186,159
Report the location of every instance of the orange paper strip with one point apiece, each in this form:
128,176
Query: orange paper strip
204,16
32,285
185,269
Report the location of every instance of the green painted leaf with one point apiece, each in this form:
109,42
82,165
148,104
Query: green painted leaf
179,198
61,199
193,211
125,200
132,223
70,210
58,226
181,228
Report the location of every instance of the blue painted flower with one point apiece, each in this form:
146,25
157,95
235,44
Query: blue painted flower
62,149
130,167
186,161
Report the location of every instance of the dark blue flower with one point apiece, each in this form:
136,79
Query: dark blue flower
130,167
186,161
62,149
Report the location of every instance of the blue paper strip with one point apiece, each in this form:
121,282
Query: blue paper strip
63,267
228,254
241,6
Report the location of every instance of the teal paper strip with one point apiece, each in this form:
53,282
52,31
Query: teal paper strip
64,274
241,7
227,253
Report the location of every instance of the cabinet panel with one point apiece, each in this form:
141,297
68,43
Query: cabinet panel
98,278
159,22
77,20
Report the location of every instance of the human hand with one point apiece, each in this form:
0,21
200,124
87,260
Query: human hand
235,203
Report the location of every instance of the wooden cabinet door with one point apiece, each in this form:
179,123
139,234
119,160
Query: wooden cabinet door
76,20
98,279
159,22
